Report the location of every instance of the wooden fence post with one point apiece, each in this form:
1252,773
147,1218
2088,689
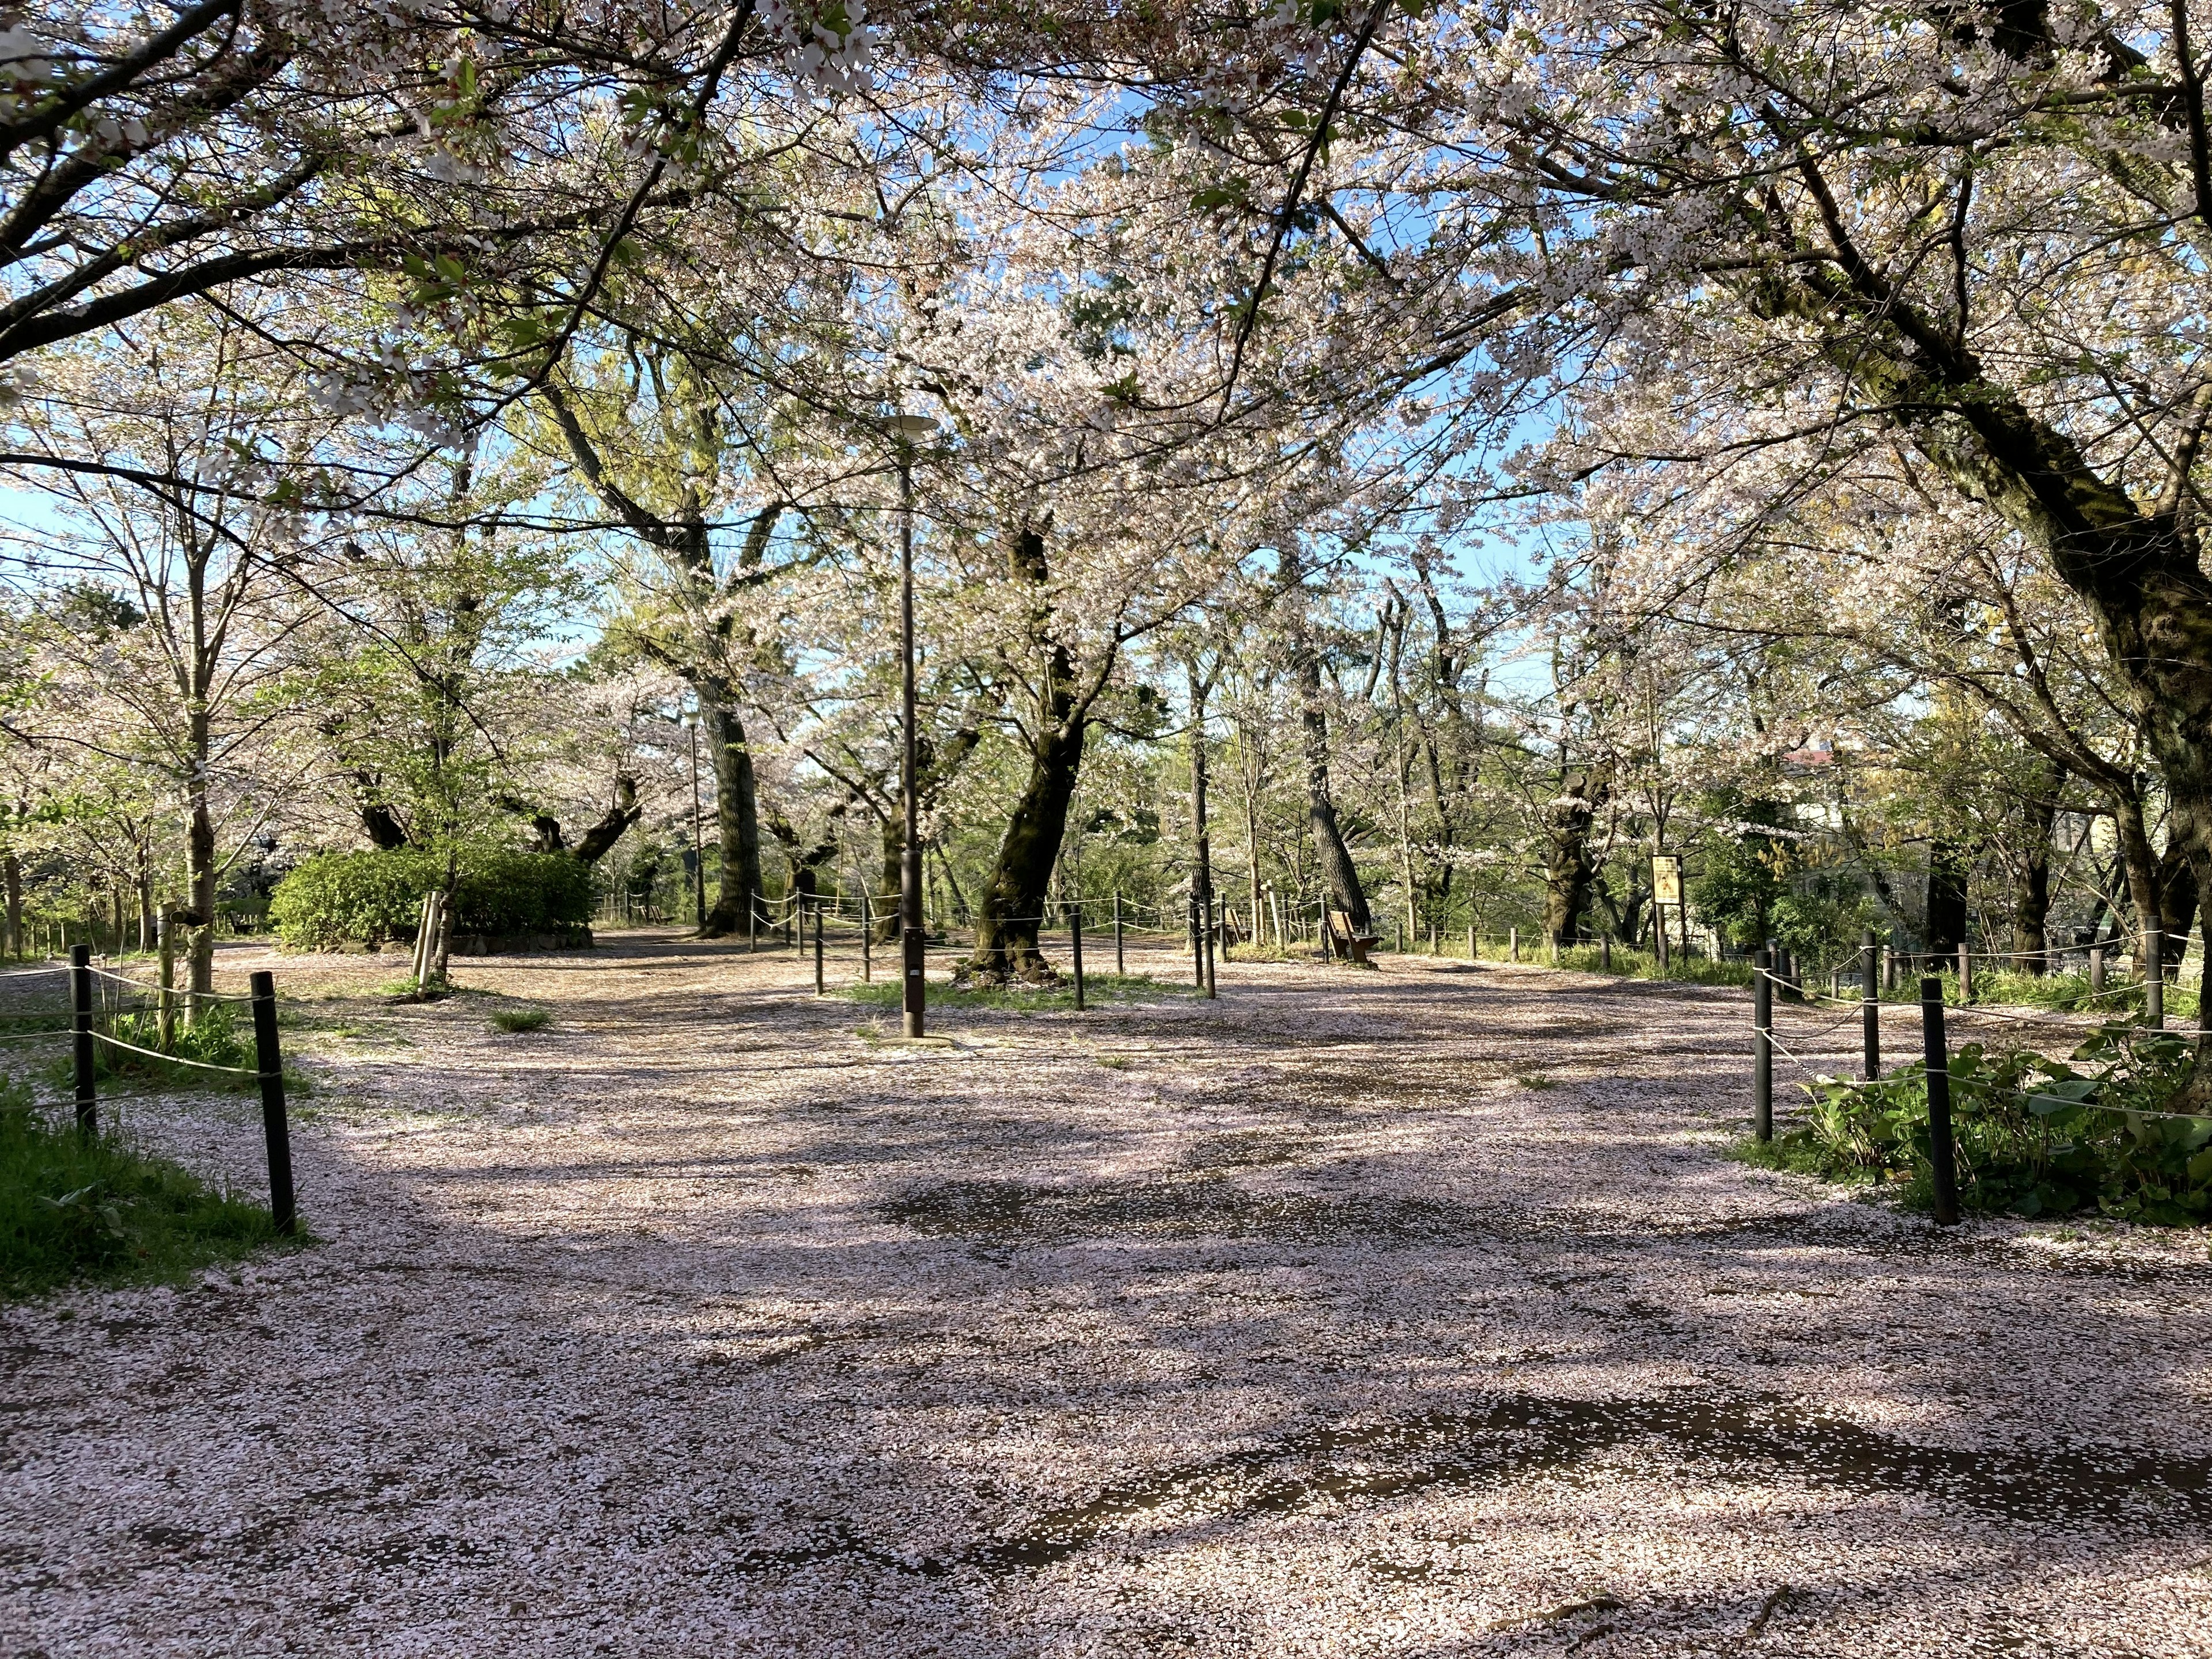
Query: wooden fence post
1762,1046
2096,966
81,1053
2154,955
1869,1008
868,940
1118,968
1075,947
1206,925
1965,975
1513,944
817,909
1470,942
269,1061
1942,1154
1604,952
165,1017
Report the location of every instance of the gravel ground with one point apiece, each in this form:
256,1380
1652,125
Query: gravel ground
1406,1313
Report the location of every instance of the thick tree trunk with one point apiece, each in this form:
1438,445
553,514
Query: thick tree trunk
11,872
2031,893
1011,906
1943,920
737,812
1007,917
2132,830
1338,873
1201,864
1569,870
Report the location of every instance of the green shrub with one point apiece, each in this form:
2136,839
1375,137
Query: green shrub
2034,1136
515,1021
368,898
75,1206
213,1040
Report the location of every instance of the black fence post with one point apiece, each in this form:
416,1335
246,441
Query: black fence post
818,908
1118,968
270,1062
1762,1046
1075,947
81,1054
1869,1007
868,940
1604,953
1207,916
1943,1153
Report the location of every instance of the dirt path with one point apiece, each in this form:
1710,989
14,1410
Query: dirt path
1412,1313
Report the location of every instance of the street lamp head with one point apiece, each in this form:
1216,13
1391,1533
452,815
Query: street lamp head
690,720
913,427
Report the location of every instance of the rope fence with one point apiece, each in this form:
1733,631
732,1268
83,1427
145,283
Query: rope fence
92,1010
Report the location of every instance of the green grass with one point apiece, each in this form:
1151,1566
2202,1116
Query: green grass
1096,988
515,1021
2066,993
97,1209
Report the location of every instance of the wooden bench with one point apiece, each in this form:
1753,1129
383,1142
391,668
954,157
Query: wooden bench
1345,943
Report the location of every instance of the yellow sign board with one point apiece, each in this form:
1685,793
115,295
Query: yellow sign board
1667,877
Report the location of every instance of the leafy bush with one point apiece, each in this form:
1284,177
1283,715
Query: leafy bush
367,898
213,1040
78,1207
515,1021
2034,1136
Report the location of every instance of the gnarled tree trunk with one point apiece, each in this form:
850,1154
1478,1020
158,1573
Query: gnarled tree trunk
1569,870
1011,906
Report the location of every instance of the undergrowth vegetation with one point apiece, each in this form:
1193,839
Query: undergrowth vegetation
2035,1136
95,1207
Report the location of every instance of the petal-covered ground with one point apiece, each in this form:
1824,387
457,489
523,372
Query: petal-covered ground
1409,1313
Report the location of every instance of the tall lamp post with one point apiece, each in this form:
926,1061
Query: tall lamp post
908,430
698,848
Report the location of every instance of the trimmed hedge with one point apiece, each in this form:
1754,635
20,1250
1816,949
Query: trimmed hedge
366,898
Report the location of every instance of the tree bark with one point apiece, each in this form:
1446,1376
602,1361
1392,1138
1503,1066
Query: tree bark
1340,875
2031,908
1943,918
737,811
1201,865
1569,870
11,873
1011,906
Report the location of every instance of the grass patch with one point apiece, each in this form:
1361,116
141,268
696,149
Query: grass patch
99,1209
515,1021
1115,1062
1537,1081
1025,998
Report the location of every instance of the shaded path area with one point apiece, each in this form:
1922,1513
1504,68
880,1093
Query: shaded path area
1404,1313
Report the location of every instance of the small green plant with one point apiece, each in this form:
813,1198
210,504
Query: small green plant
1537,1080
515,1021
213,1039
75,1206
2034,1136
1115,1062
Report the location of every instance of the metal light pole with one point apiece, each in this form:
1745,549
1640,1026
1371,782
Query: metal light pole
698,848
914,996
